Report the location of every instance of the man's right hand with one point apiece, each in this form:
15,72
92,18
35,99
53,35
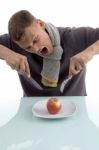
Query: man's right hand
15,60
18,62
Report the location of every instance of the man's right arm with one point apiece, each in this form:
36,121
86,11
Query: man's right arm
15,60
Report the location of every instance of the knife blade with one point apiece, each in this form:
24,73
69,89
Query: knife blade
33,82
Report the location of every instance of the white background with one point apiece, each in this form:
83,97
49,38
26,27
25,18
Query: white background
60,13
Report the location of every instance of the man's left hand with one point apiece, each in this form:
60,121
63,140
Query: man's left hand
79,61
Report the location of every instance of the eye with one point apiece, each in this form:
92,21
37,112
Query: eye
29,47
36,40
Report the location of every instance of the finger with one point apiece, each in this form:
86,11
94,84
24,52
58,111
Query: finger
82,64
27,69
10,64
22,68
12,67
17,67
71,70
74,70
78,68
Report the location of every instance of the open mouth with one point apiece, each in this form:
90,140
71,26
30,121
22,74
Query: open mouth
44,51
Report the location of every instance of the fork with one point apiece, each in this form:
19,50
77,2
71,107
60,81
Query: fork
64,83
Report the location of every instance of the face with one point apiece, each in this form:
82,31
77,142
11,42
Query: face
36,39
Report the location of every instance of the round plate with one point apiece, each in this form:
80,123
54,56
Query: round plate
39,109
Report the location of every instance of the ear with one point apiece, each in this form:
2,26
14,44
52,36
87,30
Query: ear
41,23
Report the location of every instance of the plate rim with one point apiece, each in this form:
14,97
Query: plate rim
51,116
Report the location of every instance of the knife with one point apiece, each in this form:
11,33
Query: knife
33,82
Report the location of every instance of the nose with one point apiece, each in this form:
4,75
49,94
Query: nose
35,49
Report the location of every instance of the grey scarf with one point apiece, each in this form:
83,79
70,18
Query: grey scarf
51,63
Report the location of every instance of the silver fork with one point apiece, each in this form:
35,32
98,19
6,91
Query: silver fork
63,84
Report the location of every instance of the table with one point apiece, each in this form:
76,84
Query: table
23,131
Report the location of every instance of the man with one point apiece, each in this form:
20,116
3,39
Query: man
48,54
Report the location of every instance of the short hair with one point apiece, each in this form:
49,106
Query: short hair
18,22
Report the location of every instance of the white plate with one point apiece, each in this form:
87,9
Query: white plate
39,109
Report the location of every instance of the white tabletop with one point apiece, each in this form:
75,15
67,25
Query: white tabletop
20,130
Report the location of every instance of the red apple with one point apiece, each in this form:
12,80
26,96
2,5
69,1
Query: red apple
53,105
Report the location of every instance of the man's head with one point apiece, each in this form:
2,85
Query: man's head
29,33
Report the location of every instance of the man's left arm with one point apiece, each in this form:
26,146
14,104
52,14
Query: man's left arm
79,61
